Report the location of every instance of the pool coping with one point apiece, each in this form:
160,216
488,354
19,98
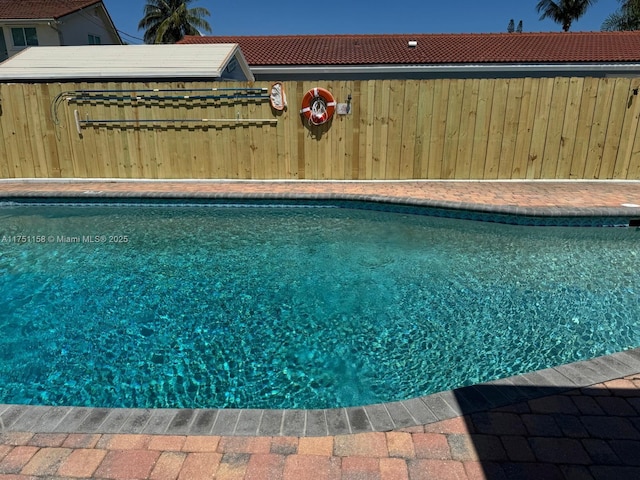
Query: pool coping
515,210
381,417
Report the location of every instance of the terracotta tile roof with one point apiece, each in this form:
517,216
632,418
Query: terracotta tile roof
434,48
33,9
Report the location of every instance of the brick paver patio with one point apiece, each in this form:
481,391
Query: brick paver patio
581,433
571,435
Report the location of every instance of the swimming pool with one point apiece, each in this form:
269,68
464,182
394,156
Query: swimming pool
295,306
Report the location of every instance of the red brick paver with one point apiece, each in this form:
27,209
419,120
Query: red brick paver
124,442
200,465
121,464
168,466
48,439
400,444
361,445
46,461
431,445
421,469
82,463
17,458
315,446
265,466
308,467
393,469
200,444
81,440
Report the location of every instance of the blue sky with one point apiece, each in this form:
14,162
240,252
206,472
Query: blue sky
260,17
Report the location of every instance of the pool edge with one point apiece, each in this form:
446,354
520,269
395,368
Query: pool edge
441,207
380,417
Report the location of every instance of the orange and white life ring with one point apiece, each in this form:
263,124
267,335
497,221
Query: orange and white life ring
318,106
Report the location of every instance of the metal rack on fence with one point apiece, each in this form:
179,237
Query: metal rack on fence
159,95
86,122
141,95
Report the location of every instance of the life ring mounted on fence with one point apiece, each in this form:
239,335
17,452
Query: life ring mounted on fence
318,106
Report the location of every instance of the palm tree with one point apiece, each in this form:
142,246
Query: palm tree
563,11
168,21
626,18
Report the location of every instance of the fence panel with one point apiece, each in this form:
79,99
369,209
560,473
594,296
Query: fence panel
519,128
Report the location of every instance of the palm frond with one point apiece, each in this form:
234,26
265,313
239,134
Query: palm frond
167,21
563,12
626,18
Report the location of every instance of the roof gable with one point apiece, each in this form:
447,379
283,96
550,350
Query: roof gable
35,9
372,49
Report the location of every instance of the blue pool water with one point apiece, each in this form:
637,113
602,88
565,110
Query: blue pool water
256,307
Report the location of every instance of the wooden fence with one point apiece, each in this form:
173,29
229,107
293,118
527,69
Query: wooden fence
519,128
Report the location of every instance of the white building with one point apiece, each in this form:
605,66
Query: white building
27,23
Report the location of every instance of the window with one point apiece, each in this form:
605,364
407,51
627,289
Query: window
23,37
94,40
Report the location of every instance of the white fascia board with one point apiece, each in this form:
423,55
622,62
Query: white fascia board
25,21
92,74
